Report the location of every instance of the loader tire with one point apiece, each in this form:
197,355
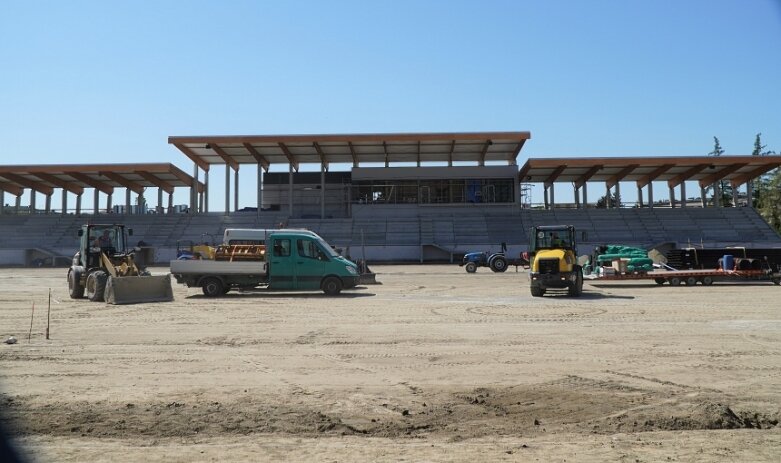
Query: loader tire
499,264
75,290
537,291
212,287
332,286
471,267
577,288
96,286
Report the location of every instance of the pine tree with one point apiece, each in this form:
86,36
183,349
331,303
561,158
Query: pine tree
724,186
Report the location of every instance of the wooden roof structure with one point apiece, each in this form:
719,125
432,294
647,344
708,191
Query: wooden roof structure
643,170
265,150
74,178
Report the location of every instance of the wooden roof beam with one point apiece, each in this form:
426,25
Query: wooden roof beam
754,173
524,172
193,156
554,175
580,181
129,184
721,174
259,158
513,159
646,179
27,183
353,153
320,153
612,181
15,190
186,179
156,181
60,183
291,159
686,175
94,183
224,156
484,151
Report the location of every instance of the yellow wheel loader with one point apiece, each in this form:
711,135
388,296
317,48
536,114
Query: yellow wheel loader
104,269
554,262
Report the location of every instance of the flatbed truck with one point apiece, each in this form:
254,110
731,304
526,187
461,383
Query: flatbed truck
295,261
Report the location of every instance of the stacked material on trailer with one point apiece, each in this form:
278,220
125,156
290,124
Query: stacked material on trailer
623,258
694,258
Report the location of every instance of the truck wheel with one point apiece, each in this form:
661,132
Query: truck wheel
75,290
675,281
212,287
499,264
332,286
537,291
707,281
691,281
659,281
96,286
471,267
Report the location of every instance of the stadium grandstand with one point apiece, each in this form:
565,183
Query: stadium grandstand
426,197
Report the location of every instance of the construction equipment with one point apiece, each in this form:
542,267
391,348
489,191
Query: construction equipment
104,269
554,260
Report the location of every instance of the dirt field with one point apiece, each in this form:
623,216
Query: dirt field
432,365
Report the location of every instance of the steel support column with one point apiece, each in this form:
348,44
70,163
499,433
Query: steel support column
322,191
48,202
650,195
683,194
127,201
95,200
227,189
672,198
236,189
260,188
290,191
78,204
64,201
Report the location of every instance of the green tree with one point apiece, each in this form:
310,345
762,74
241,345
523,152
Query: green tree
723,186
769,201
615,201
761,183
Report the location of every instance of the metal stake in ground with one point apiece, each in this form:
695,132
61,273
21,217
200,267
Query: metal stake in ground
48,313
29,335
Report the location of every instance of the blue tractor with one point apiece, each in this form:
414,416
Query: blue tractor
496,261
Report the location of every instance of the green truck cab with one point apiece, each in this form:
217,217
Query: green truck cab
292,261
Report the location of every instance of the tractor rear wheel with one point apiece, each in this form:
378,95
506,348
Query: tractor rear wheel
499,264
471,267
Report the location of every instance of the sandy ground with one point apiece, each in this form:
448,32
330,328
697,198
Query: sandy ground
432,365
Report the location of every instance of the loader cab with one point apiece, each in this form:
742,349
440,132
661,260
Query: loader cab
552,237
96,239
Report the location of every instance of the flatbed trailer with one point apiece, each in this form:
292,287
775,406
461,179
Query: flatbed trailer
692,277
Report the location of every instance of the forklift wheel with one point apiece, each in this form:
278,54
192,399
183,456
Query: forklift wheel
471,267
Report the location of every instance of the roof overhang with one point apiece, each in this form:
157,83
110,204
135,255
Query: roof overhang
104,177
266,150
673,170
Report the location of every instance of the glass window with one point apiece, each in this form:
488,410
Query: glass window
307,248
281,248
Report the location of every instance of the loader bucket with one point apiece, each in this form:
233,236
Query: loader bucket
138,289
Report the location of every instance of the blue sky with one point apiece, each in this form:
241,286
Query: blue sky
88,82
